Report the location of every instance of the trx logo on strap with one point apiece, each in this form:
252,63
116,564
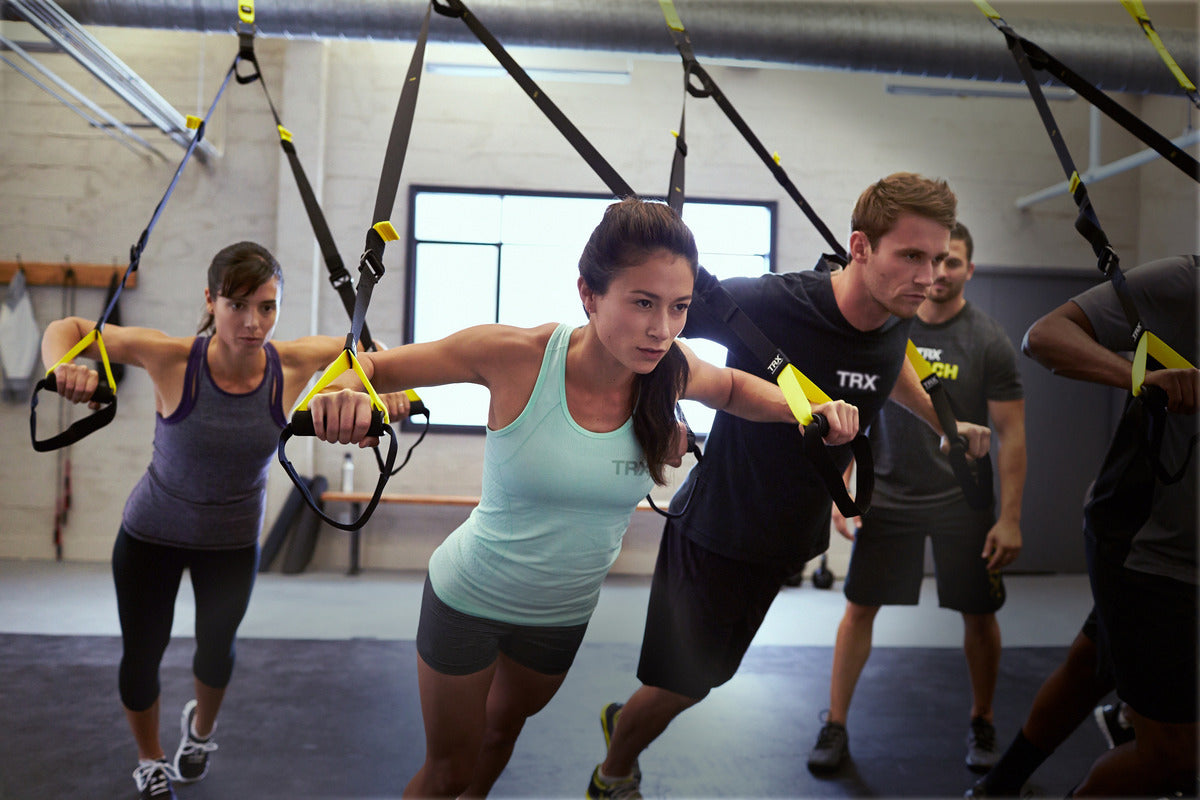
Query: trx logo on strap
856,380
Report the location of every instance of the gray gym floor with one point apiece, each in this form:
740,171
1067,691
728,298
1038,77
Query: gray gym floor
323,703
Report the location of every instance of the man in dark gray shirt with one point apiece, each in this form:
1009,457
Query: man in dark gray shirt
917,495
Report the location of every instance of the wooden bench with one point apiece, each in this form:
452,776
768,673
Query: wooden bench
357,499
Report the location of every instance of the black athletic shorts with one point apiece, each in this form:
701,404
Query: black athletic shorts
704,611
1148,628
454,643
888,561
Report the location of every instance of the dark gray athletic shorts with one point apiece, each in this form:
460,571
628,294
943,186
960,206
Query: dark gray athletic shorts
888,562
1148,627
454,643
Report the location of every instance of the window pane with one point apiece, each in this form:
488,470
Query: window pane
455,288
517,265
551,220
444,217
720,228
538,285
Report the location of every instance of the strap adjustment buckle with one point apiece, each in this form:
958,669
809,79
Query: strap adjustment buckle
371,264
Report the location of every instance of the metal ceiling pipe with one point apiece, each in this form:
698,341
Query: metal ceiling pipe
933,40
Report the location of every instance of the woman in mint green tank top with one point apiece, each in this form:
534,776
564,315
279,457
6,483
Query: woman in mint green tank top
581,423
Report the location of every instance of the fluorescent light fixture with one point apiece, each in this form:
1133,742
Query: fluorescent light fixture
952,88
540,74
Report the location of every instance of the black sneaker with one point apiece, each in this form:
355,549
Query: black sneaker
982,788
153,779
981,746
608,724
831,750
624,789
1113,725
191,759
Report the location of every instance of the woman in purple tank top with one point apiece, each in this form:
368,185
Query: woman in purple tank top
220,398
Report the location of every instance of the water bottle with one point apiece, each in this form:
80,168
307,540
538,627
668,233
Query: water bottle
348,473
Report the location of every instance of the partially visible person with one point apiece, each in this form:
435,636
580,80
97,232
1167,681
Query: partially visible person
1062,703
759,512
1140,520
220,400
581,423
917,496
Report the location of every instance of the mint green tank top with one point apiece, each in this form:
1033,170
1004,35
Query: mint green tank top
555,504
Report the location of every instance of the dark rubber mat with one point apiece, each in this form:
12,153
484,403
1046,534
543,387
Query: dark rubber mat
341,719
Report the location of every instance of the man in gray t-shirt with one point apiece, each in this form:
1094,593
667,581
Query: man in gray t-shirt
918,495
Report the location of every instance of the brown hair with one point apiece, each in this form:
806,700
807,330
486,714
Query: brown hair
630,231
885,201
238,270
960,233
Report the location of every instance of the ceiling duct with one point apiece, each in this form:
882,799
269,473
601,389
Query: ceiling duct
931,39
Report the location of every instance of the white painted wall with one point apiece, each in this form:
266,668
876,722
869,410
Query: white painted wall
70,192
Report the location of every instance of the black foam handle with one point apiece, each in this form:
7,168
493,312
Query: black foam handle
302,423
104,394
302,485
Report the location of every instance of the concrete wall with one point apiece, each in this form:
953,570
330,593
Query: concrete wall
68,191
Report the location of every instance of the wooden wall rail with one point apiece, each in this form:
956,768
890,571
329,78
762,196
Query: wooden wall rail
42,273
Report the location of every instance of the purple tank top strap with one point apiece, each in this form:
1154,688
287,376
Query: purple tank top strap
191,380
275,375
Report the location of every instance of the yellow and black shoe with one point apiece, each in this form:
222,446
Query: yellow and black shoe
608,724
623,789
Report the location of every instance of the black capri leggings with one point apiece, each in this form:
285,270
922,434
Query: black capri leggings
147,580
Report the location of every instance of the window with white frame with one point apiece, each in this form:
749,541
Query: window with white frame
511,257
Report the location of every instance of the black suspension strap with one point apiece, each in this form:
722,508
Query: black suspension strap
371,269
708,88
106,394
975,477
604,170
339,277
1087,223
1141,341
694,449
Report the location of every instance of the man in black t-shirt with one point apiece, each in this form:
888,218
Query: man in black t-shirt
760,510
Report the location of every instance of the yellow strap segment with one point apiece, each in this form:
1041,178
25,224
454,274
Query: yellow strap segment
800,393
1075,181
412,396
193,122
1138,12
924,370
386,231
284,134
246,11
343,362
987,9
671,15
1151,345
92,336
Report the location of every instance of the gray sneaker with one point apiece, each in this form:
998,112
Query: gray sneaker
981,746
831,750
